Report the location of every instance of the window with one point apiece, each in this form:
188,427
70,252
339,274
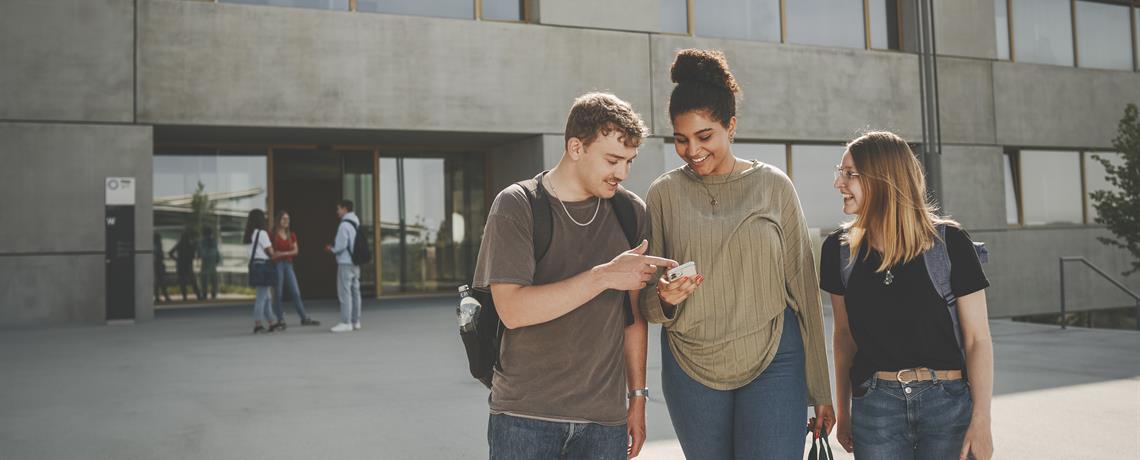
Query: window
1095,177
812,174
1050,187
883,15
202,197
502,10
340,5
1103,36
826,23
1001,20
1043,31
1012,200
738,19
459,9
675,16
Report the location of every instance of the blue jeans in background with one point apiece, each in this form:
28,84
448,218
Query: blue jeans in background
285,274
261,308
765,419
521,438
927,423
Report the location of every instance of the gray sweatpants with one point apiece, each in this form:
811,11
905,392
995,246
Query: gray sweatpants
348,292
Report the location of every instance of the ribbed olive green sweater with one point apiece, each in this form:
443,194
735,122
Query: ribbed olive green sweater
755,254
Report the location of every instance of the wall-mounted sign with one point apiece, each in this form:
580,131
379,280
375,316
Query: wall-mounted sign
120,191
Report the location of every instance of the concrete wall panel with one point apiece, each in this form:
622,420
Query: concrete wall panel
216,64
52,288
972,186
966,101
1060,107
1024,274
52,184
67,60
795,92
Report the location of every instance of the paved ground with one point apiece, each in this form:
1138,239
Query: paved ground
195,384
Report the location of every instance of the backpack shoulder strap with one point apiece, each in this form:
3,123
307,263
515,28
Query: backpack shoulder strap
627,217
937,261
353,242
542,229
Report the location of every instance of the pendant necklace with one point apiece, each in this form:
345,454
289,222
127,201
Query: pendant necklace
712,198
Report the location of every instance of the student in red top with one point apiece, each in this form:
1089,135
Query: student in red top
285,248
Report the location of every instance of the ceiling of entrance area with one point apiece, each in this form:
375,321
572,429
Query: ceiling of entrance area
279,136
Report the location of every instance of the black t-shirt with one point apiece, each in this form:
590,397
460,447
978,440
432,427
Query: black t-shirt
905,324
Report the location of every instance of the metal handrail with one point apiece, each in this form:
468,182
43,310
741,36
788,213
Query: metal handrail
1100,272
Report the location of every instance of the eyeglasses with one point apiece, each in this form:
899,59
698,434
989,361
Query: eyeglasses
846,174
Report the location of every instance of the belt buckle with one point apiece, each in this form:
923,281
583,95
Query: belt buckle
898,376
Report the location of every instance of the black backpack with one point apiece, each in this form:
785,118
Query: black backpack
485,341
358,250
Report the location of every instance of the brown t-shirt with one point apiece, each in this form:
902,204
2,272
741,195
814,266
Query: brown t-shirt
571,368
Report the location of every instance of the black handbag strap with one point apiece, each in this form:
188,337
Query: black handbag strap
253,250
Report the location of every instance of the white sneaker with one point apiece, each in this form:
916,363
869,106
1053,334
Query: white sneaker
356,326
342,327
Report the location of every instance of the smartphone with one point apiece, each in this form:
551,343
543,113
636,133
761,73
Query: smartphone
686,269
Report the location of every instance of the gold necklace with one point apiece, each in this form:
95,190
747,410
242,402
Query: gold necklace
712,198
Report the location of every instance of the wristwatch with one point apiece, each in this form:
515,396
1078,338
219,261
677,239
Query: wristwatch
643,392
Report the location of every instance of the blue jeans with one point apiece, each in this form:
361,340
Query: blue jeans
927,423
348,292
522,438
285,274
764,419
261,307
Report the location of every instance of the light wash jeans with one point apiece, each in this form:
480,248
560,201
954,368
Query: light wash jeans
764,419
262,310
917,421
348,292
512,438
286,275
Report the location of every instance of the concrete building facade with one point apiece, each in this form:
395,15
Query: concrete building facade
424,118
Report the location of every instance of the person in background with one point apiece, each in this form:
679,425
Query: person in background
183,255
209,255
347,272
285,248
260,249
159,269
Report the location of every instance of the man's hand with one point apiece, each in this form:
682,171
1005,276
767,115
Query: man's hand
979,442
635,423
328,248
632,269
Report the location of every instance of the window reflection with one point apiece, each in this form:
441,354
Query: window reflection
883,15
503,10
341,5
1001,21
206,195
1103,34
1012,206
675,16
1050,187
432,217
459,9
825,23
738,19
1095,177
1043,31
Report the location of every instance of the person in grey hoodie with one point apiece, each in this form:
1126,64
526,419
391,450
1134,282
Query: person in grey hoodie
347,273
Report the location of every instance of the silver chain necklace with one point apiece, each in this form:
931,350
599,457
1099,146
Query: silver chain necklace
554,192
712,198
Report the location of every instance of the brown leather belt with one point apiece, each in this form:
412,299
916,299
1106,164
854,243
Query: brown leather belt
918,374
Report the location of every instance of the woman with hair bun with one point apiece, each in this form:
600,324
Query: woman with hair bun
742,349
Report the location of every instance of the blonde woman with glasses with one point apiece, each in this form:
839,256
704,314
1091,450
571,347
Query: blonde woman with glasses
913,367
